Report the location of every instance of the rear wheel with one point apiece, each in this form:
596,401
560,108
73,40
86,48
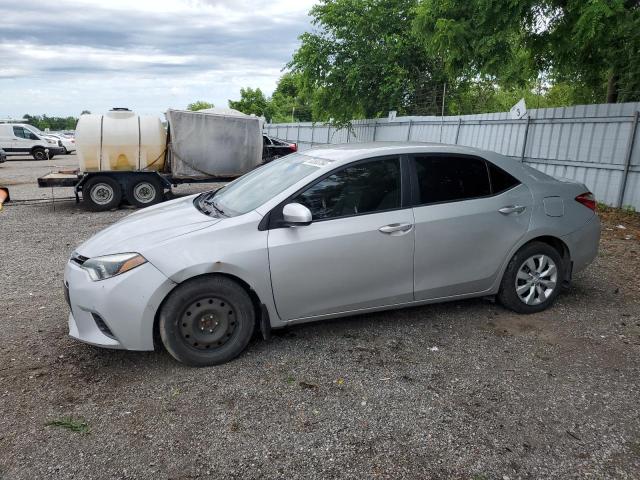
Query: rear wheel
533,279
101,193
207,321
144,192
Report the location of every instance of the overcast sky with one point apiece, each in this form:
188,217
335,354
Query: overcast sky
61,57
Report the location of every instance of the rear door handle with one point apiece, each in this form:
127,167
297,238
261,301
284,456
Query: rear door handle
396,227
512,209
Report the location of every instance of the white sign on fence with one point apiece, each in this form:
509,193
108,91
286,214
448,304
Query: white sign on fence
519,110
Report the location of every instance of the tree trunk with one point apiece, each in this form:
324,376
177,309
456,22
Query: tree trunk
612,88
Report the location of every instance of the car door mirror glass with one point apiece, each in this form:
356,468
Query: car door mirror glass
295,214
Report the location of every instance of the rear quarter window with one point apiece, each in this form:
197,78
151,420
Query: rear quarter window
501,181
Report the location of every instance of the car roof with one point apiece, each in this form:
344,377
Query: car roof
354,151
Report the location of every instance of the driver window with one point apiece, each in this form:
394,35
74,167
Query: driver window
20,133
365,187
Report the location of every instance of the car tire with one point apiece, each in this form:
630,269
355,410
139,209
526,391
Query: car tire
207,321
144,192
101,193
39,154
533,279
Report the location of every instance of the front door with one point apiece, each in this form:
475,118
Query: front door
468,217
22,140
358,251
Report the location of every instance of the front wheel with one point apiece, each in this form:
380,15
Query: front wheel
207,321
39,154
533,279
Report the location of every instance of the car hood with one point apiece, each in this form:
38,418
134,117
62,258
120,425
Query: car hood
147,228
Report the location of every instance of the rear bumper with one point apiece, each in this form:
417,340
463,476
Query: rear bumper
583,244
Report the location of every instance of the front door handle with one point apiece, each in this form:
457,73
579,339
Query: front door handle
396,227
512,209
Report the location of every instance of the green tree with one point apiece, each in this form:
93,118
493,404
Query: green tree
593,45
252,102
364,59
199,105
288,102
52,123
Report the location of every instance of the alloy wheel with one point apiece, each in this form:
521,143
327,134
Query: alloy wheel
537,279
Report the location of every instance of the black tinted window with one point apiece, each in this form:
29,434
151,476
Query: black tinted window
445,179
362,188
501,181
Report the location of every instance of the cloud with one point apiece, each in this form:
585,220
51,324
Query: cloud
144,53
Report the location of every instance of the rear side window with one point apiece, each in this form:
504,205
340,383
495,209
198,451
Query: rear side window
447,179
501,181
366,187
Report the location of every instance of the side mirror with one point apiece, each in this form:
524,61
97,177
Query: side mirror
295,215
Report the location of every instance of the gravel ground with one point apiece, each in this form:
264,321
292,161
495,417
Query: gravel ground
457,390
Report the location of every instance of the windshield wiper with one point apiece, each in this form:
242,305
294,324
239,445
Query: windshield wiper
207,201
218,209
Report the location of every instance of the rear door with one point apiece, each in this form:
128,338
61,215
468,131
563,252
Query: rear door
358,251
468,216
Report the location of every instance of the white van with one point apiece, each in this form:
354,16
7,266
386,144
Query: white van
23,139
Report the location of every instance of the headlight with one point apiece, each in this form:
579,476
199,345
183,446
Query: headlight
50,141
101,268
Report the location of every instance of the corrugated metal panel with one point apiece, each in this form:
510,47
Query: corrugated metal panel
587,143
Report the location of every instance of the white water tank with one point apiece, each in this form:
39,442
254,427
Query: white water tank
120,140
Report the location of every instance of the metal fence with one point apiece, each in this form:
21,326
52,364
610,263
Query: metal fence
595,144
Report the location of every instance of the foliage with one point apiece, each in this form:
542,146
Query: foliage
586,44
52,123
199,105
251,102
364,60
288,102
79,426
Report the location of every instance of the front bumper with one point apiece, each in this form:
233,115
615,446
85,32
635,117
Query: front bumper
55,150
118,312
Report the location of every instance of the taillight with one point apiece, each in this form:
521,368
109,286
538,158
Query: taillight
293,147
587,199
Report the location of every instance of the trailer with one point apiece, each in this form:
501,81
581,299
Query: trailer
133,158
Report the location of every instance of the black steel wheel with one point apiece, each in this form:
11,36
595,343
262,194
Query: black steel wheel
207,321
39,154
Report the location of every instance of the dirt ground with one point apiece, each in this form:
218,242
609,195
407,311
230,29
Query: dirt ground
459,390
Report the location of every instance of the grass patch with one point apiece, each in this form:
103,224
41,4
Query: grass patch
79,426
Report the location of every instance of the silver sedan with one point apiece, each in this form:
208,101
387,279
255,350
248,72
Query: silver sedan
329,232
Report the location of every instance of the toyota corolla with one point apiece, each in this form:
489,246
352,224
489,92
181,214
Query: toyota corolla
329,232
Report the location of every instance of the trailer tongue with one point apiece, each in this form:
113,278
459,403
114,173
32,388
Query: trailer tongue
124,156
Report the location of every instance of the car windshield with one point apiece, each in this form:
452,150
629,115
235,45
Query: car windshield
257,187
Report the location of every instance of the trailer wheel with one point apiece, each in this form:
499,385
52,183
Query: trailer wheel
101,193
144,192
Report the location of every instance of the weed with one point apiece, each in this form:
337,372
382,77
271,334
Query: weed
69,423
